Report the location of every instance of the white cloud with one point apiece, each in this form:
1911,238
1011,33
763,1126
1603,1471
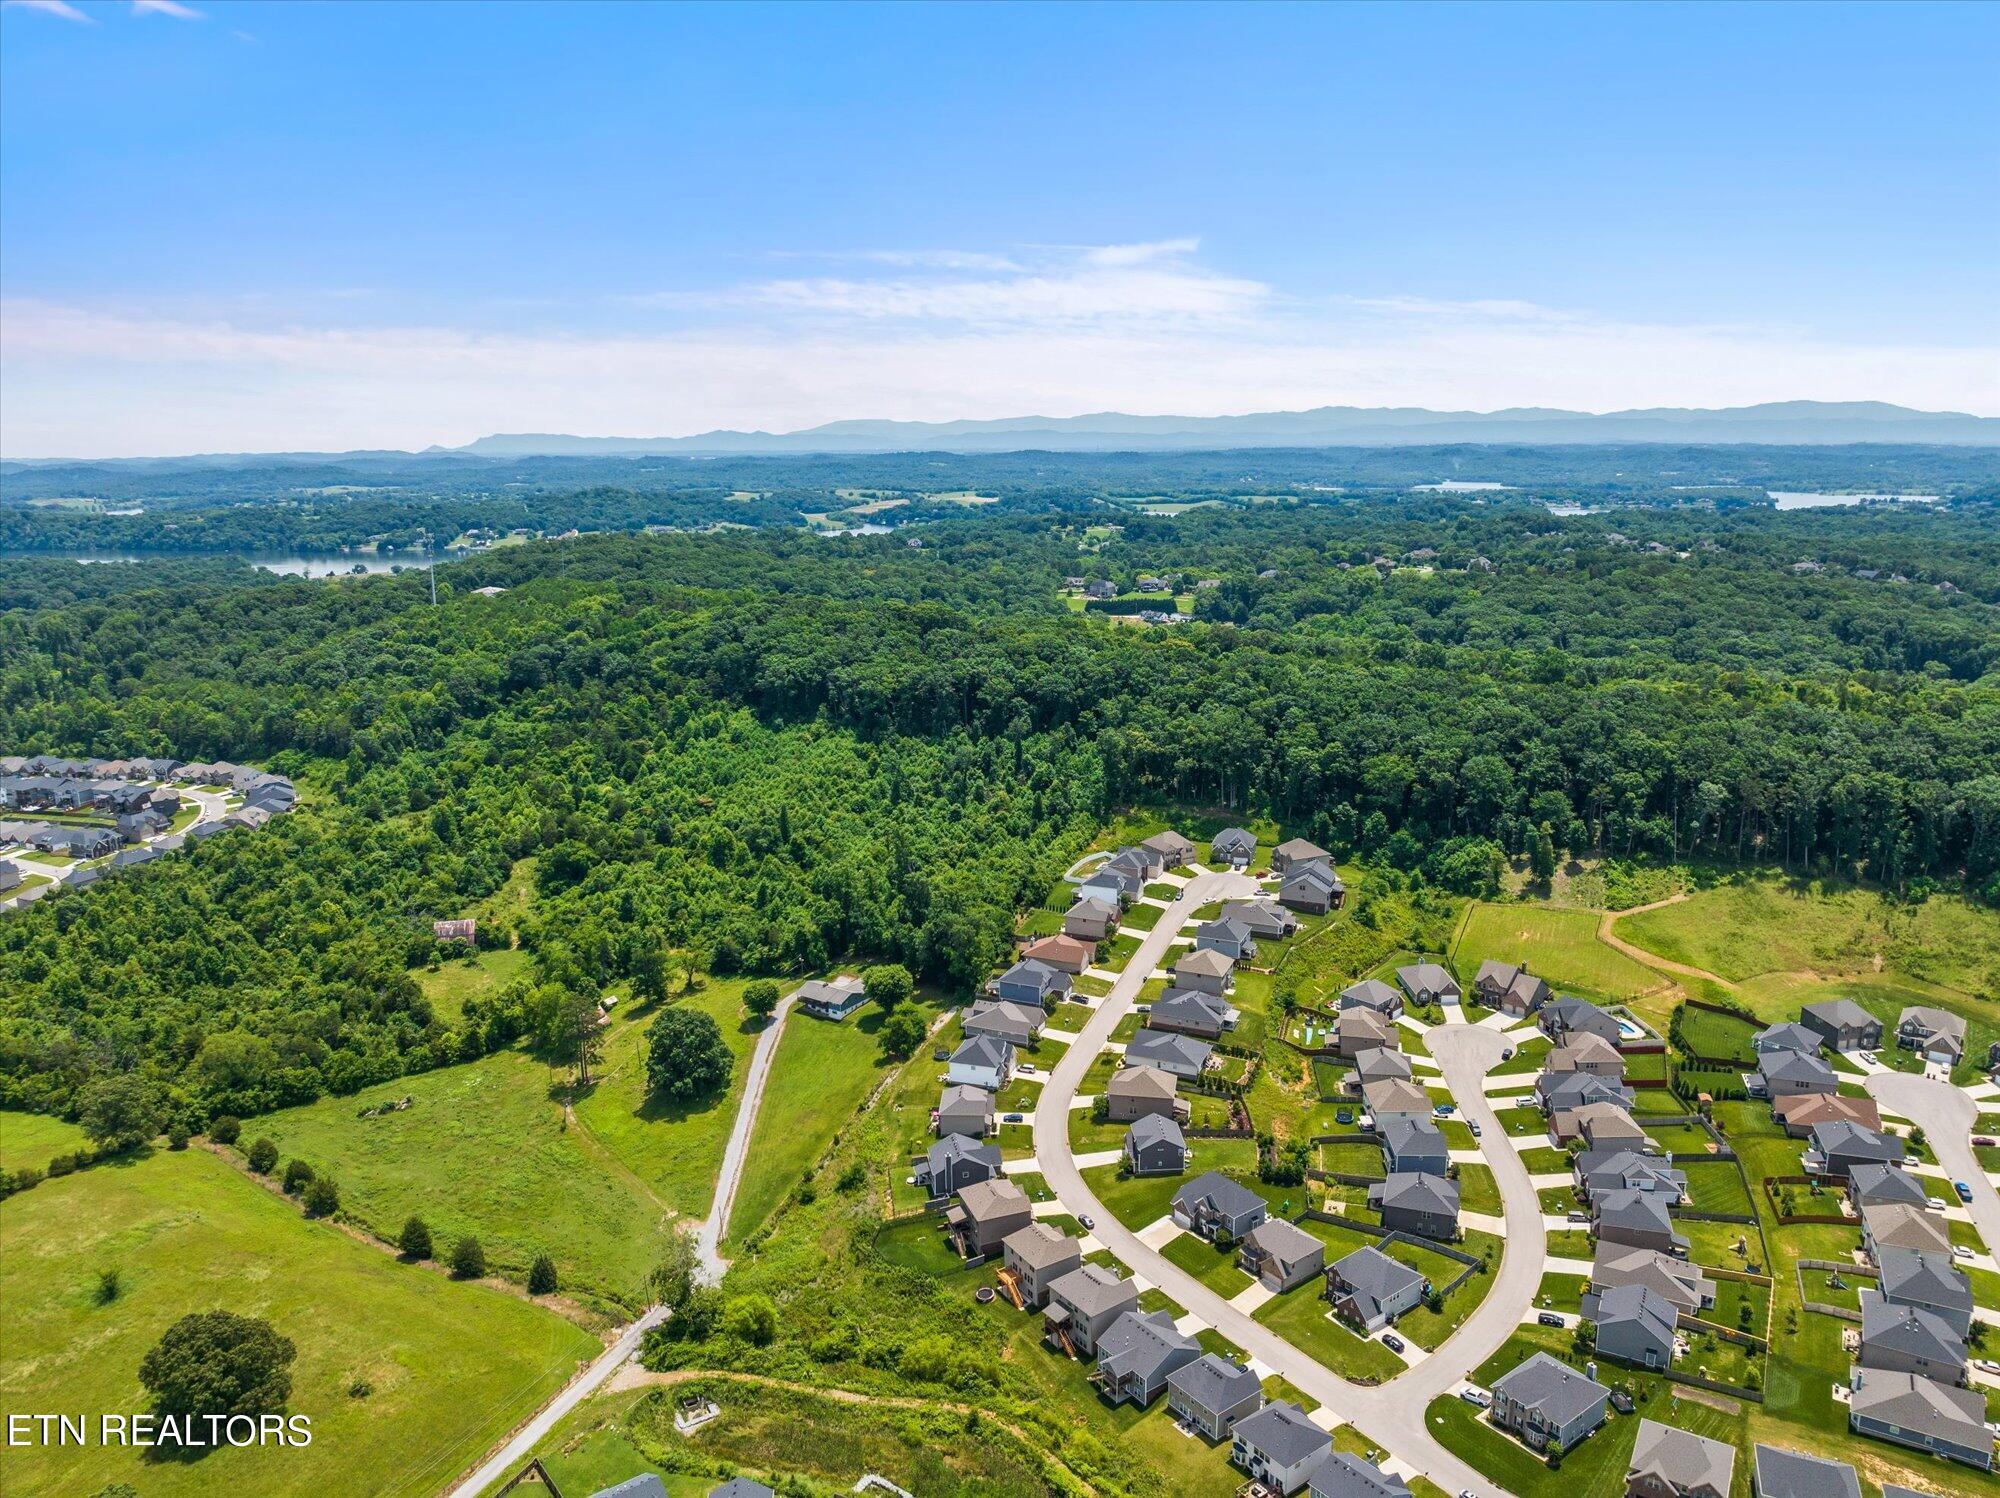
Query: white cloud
60,8
1139,254
82,381
173,8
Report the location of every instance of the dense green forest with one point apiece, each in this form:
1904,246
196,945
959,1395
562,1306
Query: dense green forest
319,504
766,749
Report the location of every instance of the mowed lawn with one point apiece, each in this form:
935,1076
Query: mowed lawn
476,974
1559,945
822,1073
484,1149
33,1139
675,1150
451,1367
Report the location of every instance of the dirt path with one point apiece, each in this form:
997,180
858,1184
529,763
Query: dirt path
1607,933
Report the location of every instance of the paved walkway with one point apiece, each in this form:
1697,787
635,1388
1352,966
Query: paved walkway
1392,1413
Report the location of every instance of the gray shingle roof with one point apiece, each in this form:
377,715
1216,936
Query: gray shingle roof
1165,1047
1093,1289
1230,1198
1214,1383
1921,1405
1909,1329
1911,1274
1654,1313
1038,1245
1153,1129
1793,1474
1840,1136
1790,1036
1558,1392
1681,1458
1371,993
1844,1013
983,1050
1140,1343
1416,1191
1374,1278
1884,1183
1344,1475
1282,1433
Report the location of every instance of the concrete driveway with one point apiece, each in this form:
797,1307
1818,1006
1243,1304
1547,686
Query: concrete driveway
1946,1114
1391,1413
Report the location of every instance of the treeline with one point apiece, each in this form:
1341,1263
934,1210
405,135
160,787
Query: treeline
762,751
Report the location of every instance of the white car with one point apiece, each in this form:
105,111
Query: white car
1934,1203
1987,1365
1960,1251
1478,1397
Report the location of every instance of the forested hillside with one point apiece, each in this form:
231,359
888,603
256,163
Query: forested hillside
767,750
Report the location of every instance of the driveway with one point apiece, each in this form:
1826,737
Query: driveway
708,1239
1946,1114
1392,1413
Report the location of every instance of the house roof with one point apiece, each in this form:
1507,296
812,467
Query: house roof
1217,1191
1095,905
648,1485
1587,1048
1795,1066
1494,971
1161,1047
1234,840
1803,1110
1418,1191
1902,1225
984,1200
1260,915
1652,1312
1293,849
1204,962
1227,928
1393,1095
1038,1245
1921,1406
1426,976
1093,1290
1286,1242
1382,1064
955,1147
1168,844
1675,1279
1011,1021
1884,1183
1681,1460
1343,1475
1609,1120
1139,1081
963,1097
1911,1274
1141,1343
1190,1005
1790,1036
983,1050
1371,993
1359,1023
1282,1433
1058,948
1841,1137
1909,1329
1402,1136
1843,1014
1214,1383
736,1487
1373,1275
1318,874
1155,1128
1636,1209
1934,1021
1578,1089
1038,975
1558,1392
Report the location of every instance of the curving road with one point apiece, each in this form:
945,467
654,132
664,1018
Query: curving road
1946,1115
1391,1413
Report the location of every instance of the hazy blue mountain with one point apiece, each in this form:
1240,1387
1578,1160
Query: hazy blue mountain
1344,426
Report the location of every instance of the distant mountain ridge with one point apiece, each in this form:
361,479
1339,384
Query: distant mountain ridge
1781,423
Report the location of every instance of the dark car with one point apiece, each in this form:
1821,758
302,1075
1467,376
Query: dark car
1391,1341
1549,1318
1014,1118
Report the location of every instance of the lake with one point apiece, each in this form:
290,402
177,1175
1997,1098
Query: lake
1462,486
1796,501
284,566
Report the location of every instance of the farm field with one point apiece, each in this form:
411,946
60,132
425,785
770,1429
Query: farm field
450,1367
483,1150
823,1071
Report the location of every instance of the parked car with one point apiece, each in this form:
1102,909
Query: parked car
1936,1203
1508,1054
1014,1118
1445,1110
1391,1341
1026,1066
1477,1397
1960,1251
1576,1216
1984,1141
1086,1223
1549,1318
1964,1191
1473,1124
1987,1365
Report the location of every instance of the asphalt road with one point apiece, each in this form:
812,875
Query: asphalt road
1946,1116
1390,1413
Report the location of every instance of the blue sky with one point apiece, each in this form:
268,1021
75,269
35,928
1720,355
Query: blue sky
250,226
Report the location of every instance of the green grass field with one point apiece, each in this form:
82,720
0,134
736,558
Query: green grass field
1300,1317
484,1149
1747,925
1559,945
451,1367
462,978
33,1139
822,1073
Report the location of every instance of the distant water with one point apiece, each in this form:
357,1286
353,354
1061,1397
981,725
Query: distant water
1798,501
1462,486
292,566
1568,509
869,529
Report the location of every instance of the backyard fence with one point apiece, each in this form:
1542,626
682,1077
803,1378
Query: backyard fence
1829,1266
1790,1219
1384,1237
1734,1391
